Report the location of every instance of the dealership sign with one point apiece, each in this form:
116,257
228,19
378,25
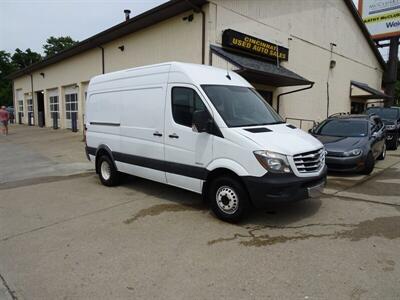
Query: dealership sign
244,42
382,17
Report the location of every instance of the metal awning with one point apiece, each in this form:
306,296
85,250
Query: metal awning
361,90
260,71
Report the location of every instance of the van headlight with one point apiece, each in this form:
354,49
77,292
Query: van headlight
273,162
354,152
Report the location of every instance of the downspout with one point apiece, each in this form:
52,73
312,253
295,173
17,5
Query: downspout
291,92
33,102
13,95
198,9
102,59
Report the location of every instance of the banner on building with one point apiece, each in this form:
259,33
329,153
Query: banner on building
382,17
253,45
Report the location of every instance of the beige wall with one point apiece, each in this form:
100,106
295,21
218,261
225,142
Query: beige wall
170,40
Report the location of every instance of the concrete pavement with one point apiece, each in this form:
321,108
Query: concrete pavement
29,153
72,238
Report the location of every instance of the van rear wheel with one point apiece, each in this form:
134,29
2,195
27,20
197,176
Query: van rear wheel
228,199
108,174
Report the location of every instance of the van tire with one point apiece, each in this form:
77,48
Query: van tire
108,174
228,199
369,164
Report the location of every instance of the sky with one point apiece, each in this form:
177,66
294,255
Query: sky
28,23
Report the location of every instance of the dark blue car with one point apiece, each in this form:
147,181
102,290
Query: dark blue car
352,142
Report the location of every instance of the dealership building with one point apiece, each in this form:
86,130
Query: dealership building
308,59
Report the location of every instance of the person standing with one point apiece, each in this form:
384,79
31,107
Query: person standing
4,116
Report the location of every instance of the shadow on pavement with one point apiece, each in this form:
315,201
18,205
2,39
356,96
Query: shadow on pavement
274,214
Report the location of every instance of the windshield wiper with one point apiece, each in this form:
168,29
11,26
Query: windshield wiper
273,123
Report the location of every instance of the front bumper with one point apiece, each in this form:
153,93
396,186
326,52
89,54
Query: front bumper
280,188
345,164
391,135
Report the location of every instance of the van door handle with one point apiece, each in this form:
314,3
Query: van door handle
157,133
174,136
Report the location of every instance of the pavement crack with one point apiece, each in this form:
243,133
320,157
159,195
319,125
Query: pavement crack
383,227
266,239
41,180
9,290
65,220
347,198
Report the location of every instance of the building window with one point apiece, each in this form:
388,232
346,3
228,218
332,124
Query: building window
21,107
71,105
29,105
54,108
184,102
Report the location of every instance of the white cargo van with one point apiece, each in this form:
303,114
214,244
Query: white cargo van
202,129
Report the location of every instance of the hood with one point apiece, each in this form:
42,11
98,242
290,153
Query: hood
340,144
281,139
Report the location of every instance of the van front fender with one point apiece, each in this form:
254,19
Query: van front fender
224,163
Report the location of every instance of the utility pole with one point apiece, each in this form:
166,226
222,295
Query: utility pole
391,70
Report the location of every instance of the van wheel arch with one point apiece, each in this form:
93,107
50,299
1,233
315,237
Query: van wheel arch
221,172
103,150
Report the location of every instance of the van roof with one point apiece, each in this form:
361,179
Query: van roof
179,72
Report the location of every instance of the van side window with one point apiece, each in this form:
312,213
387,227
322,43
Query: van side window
184,102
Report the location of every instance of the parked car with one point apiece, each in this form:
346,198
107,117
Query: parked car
352,142
391,118
198,128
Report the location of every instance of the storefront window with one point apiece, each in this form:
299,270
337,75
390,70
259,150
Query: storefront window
54,106
71,105
21,107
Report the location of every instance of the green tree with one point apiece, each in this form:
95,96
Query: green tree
22,59
6,68
55,45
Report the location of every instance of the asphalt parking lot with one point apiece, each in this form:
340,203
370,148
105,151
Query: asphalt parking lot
65,236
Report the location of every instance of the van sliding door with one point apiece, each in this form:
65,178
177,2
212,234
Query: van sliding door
142,128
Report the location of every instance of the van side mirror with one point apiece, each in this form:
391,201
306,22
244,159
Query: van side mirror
311,130
201,121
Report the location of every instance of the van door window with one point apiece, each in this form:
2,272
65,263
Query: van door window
184,102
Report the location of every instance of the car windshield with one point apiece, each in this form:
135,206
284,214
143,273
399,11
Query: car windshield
241,106
385,113
343,128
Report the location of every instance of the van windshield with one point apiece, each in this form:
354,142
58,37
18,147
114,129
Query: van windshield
241,106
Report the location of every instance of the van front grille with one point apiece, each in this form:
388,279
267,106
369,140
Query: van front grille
309,162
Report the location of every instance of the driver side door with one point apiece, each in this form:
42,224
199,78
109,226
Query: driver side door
187,153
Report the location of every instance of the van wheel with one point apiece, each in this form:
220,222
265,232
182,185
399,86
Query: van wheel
108,174
228,199
383,154
369,164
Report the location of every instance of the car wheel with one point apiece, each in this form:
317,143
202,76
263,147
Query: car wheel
369,164
383,154
228,199
108,174
393,144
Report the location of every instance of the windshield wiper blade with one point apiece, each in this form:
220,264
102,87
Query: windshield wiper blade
273,123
